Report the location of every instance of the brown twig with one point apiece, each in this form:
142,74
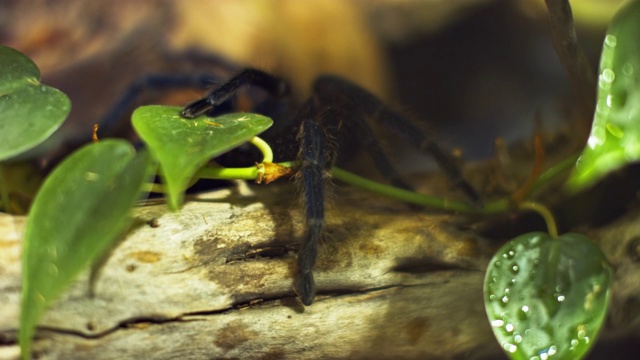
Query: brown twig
520,195
94,135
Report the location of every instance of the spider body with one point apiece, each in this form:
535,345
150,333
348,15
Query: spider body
322,126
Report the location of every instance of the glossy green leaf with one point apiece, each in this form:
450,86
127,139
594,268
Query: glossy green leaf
546,298
81,209
29,111
183,146
615,135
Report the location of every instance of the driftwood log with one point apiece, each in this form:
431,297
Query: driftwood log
214,280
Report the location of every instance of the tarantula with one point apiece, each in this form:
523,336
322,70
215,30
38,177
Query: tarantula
322,127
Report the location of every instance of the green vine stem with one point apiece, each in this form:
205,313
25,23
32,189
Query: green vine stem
545,213
415,198
265,149
246,173
554,171
497,206
213,171
493,207
223,173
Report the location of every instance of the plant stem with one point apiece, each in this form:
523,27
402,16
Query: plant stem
265,149
545,213
415,198
502,205
551,173
223,173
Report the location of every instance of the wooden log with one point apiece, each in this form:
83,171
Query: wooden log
214,280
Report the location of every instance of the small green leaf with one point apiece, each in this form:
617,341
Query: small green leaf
546,298
615,134
183,146
77,215
29,111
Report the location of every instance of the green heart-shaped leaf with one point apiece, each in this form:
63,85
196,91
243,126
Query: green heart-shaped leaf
29,111
547,297
615,134
77,215
182,146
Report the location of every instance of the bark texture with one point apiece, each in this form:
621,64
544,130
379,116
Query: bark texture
214,280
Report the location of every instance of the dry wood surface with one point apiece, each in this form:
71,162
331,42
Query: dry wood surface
214,280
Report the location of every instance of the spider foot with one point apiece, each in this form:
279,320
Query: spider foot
196,108
305,287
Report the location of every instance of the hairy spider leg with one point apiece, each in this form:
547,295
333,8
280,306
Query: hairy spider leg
273,85
375,109
348,106
326,121
378,155
315,158
181,78
164,82
445,162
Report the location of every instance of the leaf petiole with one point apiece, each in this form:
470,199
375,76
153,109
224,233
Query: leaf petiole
265,149
545,213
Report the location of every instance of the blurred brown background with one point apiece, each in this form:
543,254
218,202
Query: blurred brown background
473,70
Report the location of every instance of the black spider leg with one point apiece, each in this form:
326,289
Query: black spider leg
378,155
375,109
318,131
315,159
273,85
152,81
357,129
424,143
326,121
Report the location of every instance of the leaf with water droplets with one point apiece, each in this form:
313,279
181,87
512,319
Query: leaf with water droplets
615,134
29,111
547,297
